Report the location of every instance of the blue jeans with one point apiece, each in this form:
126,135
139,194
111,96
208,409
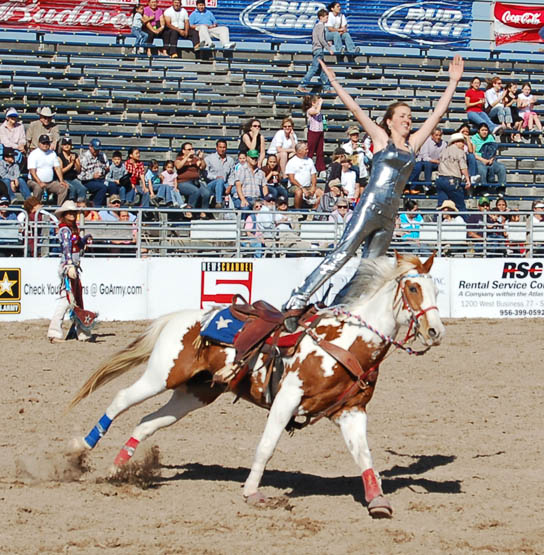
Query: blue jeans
141,37
78,191
278,191
98,189
495,172
238,203
23,188
427,167
338,39
477,118
501,114
191,192
205,194
218,187
450,188
315,69
471,164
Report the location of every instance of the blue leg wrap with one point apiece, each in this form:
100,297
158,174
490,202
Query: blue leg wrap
98,431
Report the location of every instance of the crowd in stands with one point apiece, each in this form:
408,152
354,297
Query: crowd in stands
149,22
39,162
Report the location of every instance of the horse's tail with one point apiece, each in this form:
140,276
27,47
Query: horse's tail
135,354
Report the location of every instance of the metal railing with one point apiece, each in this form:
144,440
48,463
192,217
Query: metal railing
236,234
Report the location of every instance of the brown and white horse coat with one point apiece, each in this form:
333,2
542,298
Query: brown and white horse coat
384,298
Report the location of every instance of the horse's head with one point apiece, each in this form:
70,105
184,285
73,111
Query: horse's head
418,299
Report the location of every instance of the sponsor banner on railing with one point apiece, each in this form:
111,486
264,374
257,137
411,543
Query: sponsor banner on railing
497,288
140,289
517,23
439,23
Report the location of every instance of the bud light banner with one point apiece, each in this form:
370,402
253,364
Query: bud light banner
385,21
517,23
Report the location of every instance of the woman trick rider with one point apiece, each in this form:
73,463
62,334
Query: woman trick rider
373,221
71,297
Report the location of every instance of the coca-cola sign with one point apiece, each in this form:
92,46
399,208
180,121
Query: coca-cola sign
517,23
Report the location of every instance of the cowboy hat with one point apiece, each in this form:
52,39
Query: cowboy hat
45,112
457,137
67,206
448,204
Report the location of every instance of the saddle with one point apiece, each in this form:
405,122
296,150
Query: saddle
261,333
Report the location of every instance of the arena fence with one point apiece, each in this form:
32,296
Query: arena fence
145,233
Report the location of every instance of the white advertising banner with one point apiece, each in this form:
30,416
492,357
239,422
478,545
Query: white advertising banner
497,288
147,288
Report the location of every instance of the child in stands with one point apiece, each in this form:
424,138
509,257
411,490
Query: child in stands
136,29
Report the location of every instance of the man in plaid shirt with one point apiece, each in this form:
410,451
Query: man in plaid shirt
249,182
94,166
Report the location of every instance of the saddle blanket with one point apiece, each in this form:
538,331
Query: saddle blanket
222,327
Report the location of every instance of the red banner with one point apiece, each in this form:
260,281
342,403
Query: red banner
517,23
95,16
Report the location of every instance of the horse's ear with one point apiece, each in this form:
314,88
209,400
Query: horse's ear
398,256
428,264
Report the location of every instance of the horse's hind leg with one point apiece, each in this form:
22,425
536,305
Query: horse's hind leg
353,422
150,383
185,399
283,408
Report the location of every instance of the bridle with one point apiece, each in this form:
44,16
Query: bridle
414,323
413,326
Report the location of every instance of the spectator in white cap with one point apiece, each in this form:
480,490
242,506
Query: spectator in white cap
43,126
359,151
43,167
12,133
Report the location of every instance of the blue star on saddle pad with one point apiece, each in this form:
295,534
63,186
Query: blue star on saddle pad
223,327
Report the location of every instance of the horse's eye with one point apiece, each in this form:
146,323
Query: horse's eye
412,289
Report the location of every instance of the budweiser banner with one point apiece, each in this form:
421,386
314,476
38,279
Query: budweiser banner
433,23
517,23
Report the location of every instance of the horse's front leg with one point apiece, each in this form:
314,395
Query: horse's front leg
283,408
353,422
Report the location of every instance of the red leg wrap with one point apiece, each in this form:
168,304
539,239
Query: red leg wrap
372,487
126,452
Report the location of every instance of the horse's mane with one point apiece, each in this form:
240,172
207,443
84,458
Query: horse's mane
374,273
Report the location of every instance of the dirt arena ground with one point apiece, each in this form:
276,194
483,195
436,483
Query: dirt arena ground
457,436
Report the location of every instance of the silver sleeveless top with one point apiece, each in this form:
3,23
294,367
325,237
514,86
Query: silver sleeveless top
391,169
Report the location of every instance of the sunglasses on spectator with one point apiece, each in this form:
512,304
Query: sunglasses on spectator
256,125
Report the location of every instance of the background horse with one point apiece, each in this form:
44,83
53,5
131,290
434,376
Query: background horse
314,383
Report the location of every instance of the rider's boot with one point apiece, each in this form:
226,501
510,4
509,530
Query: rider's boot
293,309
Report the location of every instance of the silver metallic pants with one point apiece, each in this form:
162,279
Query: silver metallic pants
372,223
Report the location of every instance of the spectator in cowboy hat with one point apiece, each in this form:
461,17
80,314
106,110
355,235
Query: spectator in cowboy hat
43,126
358,151
453,177
12,133
43,167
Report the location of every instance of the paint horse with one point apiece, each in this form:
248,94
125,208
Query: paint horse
382,298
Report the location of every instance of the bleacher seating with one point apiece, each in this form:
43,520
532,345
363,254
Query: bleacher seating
157,103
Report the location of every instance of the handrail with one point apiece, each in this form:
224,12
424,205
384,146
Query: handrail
167,233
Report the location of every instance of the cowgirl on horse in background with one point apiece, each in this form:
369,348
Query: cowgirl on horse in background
72,247
373,221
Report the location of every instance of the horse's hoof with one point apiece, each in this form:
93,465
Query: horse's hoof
256,498
78,445
380,507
